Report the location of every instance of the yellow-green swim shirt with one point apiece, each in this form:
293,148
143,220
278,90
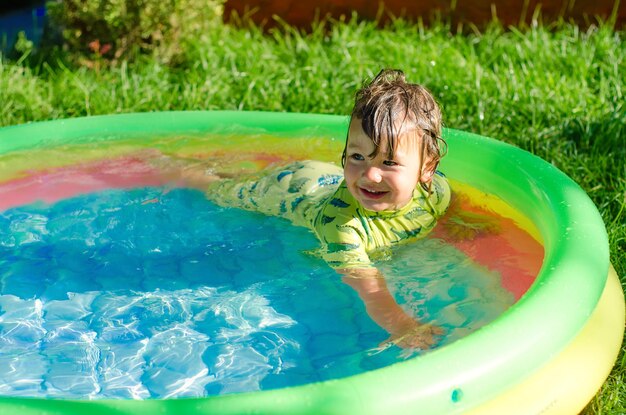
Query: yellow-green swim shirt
313,194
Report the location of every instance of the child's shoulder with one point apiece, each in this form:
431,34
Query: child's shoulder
437,198
440,184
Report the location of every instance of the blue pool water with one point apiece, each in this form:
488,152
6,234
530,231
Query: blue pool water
158,293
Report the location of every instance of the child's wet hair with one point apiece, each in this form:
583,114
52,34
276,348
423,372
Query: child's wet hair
389,105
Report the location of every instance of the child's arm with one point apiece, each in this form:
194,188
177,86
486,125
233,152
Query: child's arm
186,172
197,175
404,330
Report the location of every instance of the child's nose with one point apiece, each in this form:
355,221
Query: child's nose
373,174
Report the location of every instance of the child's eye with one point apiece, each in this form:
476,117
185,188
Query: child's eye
390,163
357,156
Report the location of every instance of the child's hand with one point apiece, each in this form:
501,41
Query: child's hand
419,336
188,172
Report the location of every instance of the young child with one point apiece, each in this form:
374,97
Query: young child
388,192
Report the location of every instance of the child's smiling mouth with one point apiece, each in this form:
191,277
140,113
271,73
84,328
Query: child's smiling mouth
372,194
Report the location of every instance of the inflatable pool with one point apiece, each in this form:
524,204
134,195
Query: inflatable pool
549,353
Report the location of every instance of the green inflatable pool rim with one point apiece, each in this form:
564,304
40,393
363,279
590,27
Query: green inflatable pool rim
451,379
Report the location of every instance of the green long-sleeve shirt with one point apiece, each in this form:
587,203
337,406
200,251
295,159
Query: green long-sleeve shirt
313,194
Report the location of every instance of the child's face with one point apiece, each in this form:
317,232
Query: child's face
381,183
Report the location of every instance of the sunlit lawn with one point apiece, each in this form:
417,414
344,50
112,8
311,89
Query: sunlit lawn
557,92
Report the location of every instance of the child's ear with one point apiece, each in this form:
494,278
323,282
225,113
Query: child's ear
427,176
428,170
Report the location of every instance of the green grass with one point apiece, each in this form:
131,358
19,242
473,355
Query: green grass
556,91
